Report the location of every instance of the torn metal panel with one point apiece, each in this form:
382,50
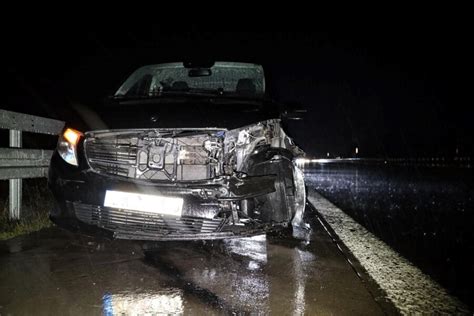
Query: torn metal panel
245,141
300,198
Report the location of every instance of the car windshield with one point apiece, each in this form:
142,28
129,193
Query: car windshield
224,78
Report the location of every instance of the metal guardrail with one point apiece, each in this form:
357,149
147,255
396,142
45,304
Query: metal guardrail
18,163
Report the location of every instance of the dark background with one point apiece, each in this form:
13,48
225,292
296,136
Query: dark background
392,90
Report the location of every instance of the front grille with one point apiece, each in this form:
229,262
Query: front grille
129,222
113,155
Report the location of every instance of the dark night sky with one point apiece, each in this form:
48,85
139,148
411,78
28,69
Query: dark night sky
392,91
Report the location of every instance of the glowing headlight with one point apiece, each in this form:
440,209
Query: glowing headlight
67,145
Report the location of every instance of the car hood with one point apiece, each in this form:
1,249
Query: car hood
130,115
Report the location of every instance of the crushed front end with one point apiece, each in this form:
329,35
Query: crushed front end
179,184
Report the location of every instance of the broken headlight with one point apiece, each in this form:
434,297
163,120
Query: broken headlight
67,145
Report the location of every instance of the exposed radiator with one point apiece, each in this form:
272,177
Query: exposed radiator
155,156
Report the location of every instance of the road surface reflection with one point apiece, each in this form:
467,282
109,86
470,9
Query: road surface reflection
56,272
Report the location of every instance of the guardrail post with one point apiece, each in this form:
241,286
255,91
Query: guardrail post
15,184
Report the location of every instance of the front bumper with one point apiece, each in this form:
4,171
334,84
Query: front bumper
79,196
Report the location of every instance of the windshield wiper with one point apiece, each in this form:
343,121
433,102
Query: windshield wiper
217,94
167,93
192,92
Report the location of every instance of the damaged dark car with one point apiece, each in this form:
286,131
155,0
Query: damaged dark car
181,151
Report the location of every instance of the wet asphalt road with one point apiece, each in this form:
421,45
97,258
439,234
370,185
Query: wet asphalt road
54,272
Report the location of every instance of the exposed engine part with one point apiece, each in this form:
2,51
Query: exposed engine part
179,154
157,155
241,143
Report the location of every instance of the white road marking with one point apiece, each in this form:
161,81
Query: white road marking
410,290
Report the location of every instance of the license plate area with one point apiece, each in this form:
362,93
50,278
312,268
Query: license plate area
154,204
